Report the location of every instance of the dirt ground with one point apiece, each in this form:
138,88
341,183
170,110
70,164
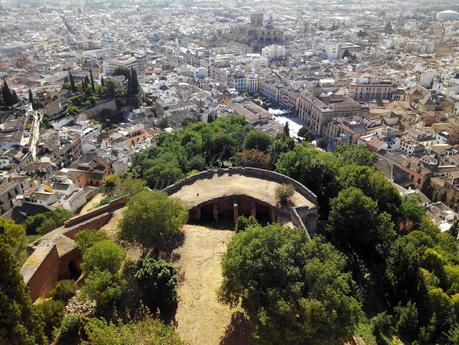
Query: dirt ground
201,318
93,203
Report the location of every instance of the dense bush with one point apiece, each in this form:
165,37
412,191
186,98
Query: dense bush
152,218
43,223
68,332
243,222
106,289
87,238
52,313
284,192
103,256
64,290
158,282
146,332
294,291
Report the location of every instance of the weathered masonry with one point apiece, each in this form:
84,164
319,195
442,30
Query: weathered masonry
223,195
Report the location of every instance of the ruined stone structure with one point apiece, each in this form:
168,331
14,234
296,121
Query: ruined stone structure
216,196
56,256
211,196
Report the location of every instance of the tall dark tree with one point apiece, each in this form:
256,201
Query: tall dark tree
286,129
15,97
102,81
30,97
130,89
93,86
86,80
20,323
72,83
346,54
135,82
7,94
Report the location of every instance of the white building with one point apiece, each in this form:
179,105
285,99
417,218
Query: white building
447,15
138,63
274,52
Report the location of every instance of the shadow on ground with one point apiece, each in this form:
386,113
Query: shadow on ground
238,331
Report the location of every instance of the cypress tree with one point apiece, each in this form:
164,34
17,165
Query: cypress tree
92,81
102,81
20,322
83,85
30,97
135,82
15,97
6,94
130,90
72,83
286,129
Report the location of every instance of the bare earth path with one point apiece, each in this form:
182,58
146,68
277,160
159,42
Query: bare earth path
201,318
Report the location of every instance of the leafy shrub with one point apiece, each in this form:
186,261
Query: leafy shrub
53,313
68,332
158,281
243,222
284,192
64,290
87,238
103,256
105,288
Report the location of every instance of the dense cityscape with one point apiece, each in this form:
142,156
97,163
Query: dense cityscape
229,172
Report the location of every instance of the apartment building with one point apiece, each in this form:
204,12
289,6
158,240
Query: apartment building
136,62
318,108
368,89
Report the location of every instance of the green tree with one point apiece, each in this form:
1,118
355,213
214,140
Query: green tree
52,313
88,238
7,95
281,144
93,85
103,256
43,223
15,97
403,263
411,213
72,83
63,290
145,332
312,168
322,143
356,154
375,185
286,129
120,70
106,289
152,218
222,147
294,291
14,236
129,187
355,227
158,282
20,322
243,222
68,332
307,135
258,140
31,101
